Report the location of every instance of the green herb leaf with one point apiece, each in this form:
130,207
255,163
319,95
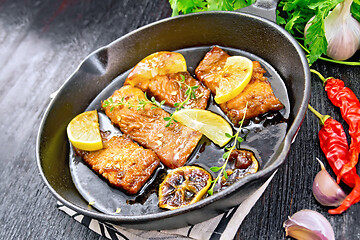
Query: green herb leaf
225,174
226,155
215,169
228,135
189,6
355,9
280,20
316,39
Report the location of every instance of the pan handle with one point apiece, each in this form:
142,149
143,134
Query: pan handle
262,8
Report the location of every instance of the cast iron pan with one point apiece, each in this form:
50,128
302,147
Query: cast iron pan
104,70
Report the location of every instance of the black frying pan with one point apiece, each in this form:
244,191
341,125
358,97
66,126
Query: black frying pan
232,30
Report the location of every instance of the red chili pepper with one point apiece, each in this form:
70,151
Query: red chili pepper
335,147
349,105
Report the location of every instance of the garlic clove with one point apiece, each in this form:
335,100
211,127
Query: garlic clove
326,191
308,224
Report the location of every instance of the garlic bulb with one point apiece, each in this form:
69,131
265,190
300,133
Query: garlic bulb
342,32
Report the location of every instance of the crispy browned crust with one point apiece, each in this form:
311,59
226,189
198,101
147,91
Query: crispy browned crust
169,89
258,93
122,162
146,126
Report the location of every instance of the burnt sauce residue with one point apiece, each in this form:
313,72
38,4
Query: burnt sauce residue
264,135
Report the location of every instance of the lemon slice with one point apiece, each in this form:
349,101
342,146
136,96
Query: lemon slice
234,78
159,63
84,133
208,123
183,186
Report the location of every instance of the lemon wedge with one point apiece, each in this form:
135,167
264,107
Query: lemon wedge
234,78
84,133
159,63
208,123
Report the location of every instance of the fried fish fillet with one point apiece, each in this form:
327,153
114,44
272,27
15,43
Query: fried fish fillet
258,94
172,144
122,162
169,88
210,68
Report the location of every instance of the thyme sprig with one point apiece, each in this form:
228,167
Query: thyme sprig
141,103
226,155
189,93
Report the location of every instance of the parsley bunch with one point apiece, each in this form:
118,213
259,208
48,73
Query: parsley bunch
189,6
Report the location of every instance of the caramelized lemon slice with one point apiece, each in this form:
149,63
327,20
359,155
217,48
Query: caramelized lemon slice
159,63
208,123
234,78
183,186
84,133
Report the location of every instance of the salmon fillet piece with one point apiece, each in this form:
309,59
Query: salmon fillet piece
210,67
258,93
173,144
122,162
169,88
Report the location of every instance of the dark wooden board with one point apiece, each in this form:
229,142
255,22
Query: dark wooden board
43,42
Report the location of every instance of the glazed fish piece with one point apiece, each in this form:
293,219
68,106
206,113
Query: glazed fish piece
122,162
146,125
210,67
258,93
159,63
259,96
169,88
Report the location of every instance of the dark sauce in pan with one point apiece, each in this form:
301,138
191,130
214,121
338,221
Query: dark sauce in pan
266,134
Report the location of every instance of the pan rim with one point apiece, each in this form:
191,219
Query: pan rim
288,139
